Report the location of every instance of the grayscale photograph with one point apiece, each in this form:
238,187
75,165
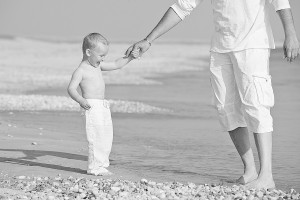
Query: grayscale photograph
149,99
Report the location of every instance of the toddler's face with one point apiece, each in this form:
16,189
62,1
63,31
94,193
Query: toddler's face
97,55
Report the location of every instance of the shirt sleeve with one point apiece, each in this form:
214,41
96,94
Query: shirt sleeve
184,8
280,4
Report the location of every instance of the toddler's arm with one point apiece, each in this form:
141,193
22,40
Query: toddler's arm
117,64
72,89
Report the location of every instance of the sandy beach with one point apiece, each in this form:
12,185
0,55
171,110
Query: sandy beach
167,140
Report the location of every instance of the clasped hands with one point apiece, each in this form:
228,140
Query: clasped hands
138,49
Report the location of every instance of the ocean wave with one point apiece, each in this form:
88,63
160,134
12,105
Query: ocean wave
61,103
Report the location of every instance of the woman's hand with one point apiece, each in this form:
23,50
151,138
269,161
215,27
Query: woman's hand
138,49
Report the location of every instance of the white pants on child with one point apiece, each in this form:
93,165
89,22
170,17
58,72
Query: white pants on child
99,131
242,88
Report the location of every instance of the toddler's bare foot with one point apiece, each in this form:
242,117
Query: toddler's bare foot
261,183
100,172
246,178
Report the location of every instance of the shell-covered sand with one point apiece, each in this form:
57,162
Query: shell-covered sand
24,187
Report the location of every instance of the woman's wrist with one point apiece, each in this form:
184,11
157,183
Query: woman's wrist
146,39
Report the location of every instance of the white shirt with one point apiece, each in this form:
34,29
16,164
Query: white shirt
239,24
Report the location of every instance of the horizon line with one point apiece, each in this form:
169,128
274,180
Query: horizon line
53,39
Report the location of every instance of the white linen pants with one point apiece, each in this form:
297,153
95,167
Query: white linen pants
99,131
242,89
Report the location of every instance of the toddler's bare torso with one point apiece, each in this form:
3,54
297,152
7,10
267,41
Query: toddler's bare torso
92,84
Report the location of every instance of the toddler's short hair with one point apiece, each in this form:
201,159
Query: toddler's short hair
91,40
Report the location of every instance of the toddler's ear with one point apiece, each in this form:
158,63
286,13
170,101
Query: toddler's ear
88,52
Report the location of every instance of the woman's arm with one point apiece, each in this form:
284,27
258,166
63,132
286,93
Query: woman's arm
167,22
291,44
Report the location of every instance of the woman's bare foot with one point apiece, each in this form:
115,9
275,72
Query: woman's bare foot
246,178
261,183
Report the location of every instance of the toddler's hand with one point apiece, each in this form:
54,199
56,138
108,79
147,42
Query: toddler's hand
84,104
136,53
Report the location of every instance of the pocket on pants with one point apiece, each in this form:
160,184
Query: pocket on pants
263,86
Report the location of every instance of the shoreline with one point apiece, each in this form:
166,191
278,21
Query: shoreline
58,187
35,145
